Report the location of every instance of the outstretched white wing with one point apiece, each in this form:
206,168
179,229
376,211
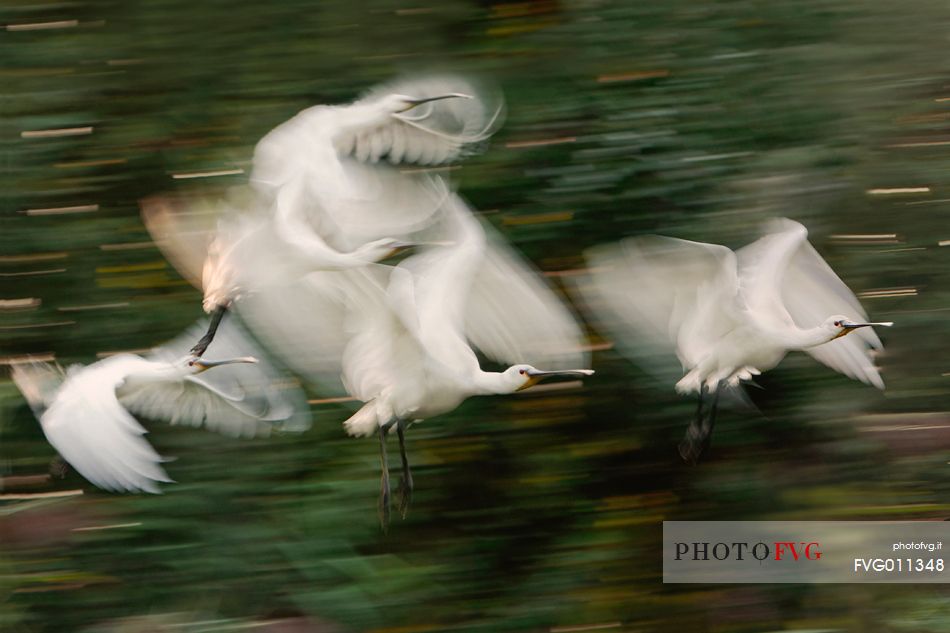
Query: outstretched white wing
787,277
339,168
94,433
305,324
240,400
513,315
662,296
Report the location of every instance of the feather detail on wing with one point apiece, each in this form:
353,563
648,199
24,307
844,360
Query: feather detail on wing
433,133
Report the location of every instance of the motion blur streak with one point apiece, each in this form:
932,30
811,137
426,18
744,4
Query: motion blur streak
699,120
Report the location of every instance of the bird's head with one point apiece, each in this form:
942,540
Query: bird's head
197,365
398,103
840,325
524,376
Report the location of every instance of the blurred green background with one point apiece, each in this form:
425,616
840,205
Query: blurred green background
535,512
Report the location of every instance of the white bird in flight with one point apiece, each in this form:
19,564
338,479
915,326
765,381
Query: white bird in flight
402,337
728,316
243,253
357,172
323,199
87,412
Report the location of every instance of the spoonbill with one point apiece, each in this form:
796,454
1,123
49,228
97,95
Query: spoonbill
245,252
358,172
87,412
324,200
409,356
402,337
728,316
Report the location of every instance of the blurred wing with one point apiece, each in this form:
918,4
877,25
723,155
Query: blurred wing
661,296
382,350
182,232
308,183
304,325
430,292
812,292
514,316
38,382
763,266
240,400
433,133
96,435
358,204
784,279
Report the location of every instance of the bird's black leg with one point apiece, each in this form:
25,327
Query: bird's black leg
384,479
696,438
404,490
203,343
707,435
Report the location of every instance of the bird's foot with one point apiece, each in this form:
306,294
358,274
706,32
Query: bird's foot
404,495
690,451
58,467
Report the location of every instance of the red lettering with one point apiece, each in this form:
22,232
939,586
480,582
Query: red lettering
780,547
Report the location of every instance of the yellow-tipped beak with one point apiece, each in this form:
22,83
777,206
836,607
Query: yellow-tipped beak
850,327
530,382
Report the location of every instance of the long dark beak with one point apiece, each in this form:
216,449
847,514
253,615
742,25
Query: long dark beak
536,375
854,326
561,372
204,365
451,95
850,326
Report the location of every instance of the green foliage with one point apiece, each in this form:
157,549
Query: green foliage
692,119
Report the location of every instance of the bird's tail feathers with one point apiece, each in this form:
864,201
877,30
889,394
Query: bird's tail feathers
364,422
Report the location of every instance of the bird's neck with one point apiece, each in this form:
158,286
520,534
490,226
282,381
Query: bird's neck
800,339
488,383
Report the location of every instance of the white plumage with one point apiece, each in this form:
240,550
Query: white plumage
386,326
728,316
321,197
86,413
400,339
403,336
339,167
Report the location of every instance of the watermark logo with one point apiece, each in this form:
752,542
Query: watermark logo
740,550
803,551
